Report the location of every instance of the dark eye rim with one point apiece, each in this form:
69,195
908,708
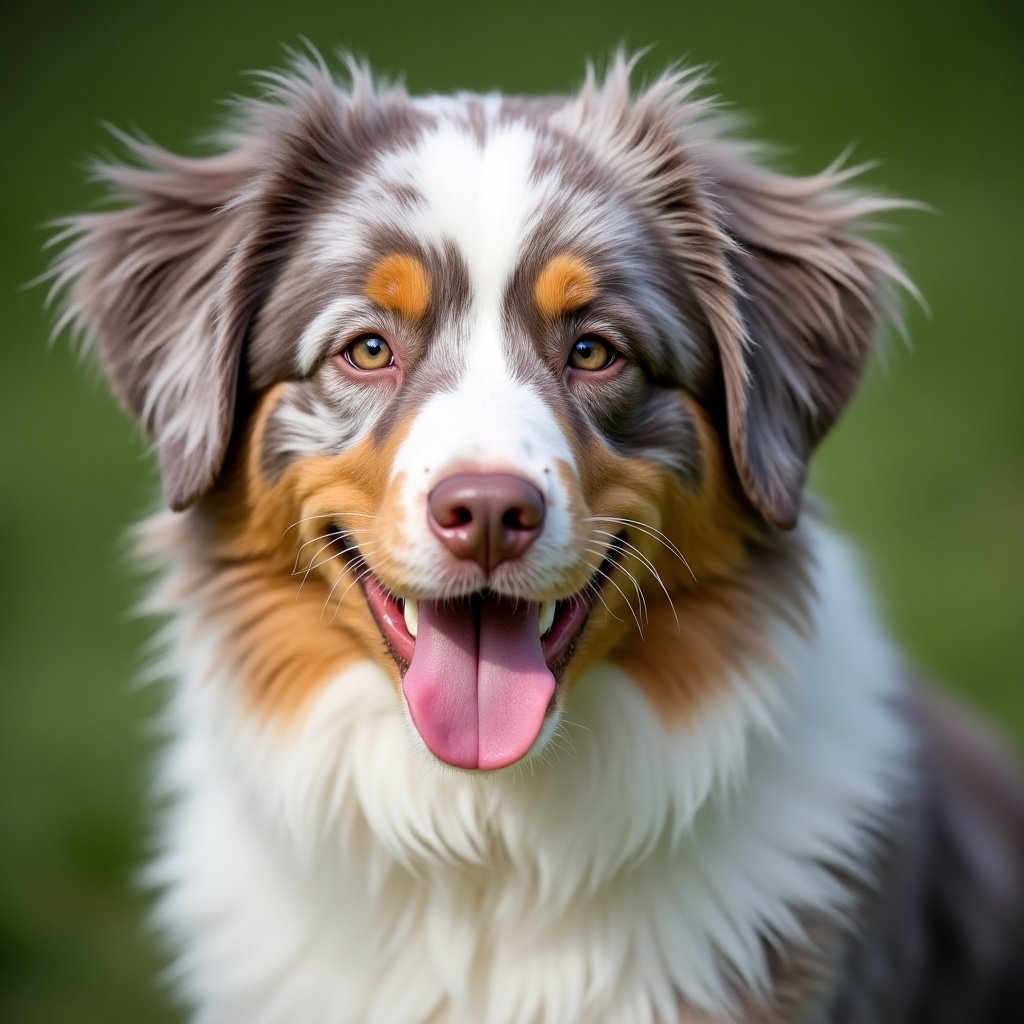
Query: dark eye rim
346,353
613,363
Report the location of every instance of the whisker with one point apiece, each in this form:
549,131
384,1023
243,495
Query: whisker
650,567
335,533
639,593
641,597
638,554
332,515
310,566
569,722
341,575
652,532
329,537
595,589
632,611
323,610
331,558
560,744
361,576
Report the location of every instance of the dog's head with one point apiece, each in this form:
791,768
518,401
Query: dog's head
501,377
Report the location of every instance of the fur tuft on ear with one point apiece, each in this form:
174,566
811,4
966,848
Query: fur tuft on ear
143,281
169,286
811,297
791,296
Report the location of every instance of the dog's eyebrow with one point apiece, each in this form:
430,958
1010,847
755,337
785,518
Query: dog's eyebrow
565,283
400,283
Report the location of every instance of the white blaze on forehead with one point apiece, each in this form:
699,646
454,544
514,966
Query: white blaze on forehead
483,196
480,194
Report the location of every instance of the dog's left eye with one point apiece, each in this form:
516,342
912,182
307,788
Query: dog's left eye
591,352
370,352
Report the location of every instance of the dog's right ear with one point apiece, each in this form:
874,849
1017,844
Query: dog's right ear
146,282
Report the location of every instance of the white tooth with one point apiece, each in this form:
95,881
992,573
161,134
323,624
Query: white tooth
411,611
547,616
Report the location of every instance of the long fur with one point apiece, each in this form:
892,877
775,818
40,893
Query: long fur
728,812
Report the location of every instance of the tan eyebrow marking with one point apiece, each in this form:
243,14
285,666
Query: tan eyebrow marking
565,284
400,283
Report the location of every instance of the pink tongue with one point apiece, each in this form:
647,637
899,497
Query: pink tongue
477,685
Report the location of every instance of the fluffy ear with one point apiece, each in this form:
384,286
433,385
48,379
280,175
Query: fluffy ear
810,296
170,285
144,281
790,295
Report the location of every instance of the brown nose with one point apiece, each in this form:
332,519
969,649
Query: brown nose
488,517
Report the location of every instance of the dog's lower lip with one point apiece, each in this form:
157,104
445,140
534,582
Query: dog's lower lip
390,619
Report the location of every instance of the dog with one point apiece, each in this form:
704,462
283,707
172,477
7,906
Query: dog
511,681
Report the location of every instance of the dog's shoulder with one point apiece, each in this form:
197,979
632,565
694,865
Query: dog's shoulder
943,938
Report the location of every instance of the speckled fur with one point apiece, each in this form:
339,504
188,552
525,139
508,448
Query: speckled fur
728,818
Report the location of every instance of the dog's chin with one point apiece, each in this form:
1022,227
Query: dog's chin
481,672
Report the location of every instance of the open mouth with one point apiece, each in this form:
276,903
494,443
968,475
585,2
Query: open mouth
480,672
555,623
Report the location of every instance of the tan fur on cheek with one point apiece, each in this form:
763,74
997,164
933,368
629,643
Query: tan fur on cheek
696,647
401,284
709,523
564,284
704,633
609,488
292,613
683,665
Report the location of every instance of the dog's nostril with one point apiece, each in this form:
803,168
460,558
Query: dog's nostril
447,515
519,519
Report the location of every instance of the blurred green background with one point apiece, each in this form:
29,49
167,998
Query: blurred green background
926,472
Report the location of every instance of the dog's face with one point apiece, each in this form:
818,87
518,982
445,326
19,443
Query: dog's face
501,379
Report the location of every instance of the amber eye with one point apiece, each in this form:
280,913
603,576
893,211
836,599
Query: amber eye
370,352
591,352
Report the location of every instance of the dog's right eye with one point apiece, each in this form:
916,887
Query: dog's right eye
370,352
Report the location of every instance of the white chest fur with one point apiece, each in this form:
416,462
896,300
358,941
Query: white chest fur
333,874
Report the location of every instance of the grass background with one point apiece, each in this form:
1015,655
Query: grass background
926,472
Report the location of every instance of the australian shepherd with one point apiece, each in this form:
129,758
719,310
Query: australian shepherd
510,683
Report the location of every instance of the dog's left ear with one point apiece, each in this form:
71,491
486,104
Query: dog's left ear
810,295
789,293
